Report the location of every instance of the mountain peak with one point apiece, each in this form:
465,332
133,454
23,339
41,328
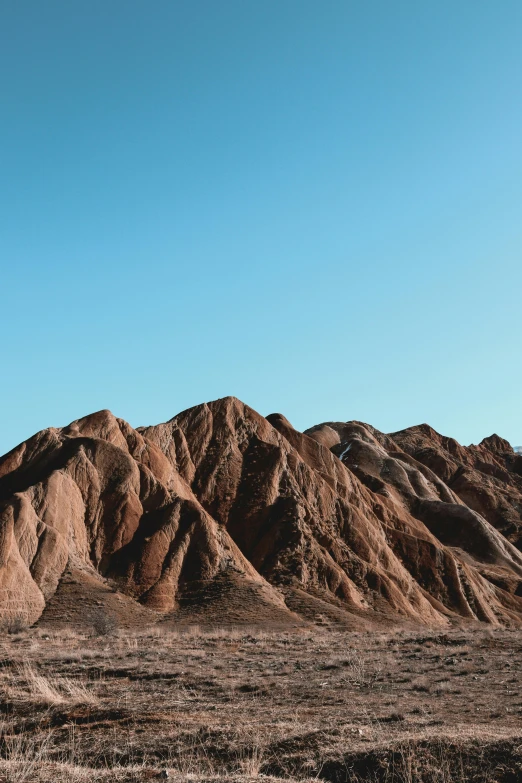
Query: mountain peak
223,515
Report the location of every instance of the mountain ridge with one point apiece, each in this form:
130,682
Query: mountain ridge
222,515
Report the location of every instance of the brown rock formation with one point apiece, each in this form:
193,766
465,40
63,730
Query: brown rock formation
487,477
223,515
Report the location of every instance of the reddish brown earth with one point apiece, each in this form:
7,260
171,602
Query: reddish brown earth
224,516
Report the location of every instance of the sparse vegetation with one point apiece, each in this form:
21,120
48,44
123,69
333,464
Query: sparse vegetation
239,704
52,690
14,624
103,623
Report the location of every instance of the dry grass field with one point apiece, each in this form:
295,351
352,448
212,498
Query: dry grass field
245,705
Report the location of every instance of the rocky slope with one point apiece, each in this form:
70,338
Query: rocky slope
222,515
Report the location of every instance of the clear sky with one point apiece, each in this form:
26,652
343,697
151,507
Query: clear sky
313,205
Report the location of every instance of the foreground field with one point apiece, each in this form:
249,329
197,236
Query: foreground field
244,705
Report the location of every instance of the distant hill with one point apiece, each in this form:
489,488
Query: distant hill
224,516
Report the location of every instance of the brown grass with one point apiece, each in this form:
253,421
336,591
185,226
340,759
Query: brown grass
244,704
52,690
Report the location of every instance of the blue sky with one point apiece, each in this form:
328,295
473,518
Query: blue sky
313,206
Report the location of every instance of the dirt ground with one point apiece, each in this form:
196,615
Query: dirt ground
245,704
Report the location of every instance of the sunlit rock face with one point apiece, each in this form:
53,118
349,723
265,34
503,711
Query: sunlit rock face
223,515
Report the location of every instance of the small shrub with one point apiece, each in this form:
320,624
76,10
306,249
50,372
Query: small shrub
15,624
103,623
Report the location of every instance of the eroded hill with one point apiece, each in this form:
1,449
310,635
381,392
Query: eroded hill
222,515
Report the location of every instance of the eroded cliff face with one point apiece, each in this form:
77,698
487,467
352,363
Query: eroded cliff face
487,477
222,515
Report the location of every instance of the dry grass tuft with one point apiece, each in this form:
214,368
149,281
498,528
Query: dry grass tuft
52,691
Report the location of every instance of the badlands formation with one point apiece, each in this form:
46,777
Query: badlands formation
223,516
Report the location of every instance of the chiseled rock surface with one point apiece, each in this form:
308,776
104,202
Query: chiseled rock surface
222,515
487,477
